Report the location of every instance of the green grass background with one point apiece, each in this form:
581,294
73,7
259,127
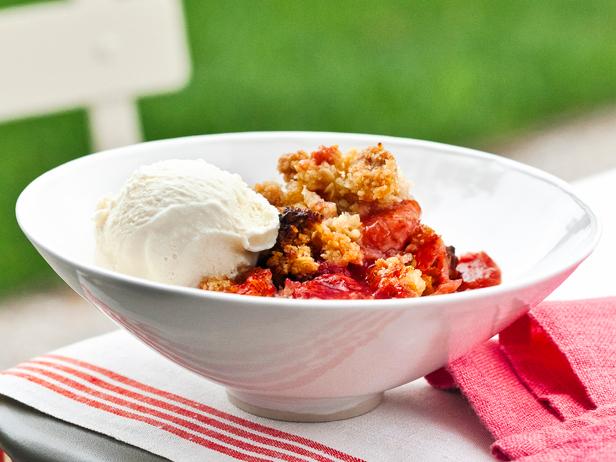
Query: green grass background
454,71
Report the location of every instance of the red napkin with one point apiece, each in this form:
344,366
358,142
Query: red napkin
546,390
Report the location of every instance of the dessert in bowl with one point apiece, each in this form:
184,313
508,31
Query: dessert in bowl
307,358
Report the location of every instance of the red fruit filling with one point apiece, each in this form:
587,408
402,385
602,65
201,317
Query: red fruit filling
387,232
325,154
259,282
436,261
337,286
478,270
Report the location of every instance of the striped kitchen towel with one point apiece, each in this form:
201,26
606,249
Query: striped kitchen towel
117,386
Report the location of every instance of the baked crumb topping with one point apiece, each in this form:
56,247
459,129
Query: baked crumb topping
337,238
293,253
357,181
396,277
216,283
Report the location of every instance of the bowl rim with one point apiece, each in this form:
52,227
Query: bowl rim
572,261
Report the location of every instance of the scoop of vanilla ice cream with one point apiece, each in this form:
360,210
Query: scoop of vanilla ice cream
177,221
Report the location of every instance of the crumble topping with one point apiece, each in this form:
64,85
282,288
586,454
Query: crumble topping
357,181
338,239
293,252
396,277
216,283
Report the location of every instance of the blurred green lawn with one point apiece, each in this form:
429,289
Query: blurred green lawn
453,71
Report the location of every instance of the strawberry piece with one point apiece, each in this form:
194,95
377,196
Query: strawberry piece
387,232
327,286
436,261
258,282
326,154
478,270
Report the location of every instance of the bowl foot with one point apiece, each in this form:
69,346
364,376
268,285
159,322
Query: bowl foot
304,409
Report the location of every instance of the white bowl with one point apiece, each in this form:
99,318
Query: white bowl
319,359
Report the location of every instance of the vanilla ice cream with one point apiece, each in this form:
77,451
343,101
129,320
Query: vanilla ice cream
177,221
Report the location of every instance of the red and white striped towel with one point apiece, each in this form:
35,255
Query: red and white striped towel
114,385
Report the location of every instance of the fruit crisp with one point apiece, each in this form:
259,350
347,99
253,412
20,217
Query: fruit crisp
349,229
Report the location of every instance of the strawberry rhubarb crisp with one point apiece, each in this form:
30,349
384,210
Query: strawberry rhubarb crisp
349,229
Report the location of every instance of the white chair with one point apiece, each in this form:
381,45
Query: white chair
98,54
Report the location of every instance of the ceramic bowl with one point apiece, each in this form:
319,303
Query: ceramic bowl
318,359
